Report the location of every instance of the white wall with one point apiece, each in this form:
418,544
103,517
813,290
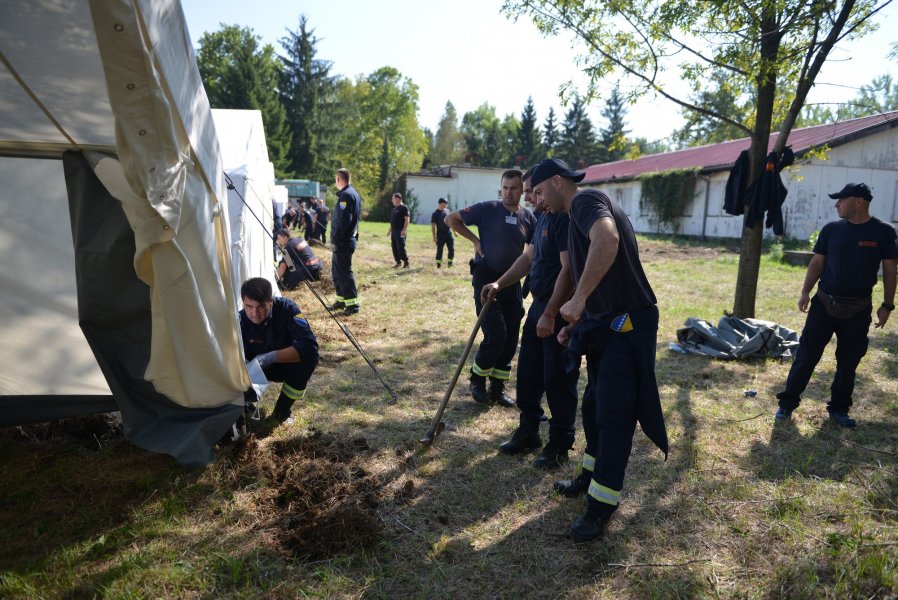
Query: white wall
463,187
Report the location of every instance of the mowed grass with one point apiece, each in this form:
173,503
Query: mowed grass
742,508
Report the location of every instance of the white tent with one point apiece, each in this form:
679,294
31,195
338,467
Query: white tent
112,214
244,155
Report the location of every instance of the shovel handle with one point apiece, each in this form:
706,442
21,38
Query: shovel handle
435,428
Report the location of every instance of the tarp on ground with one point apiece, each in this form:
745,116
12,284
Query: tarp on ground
736,338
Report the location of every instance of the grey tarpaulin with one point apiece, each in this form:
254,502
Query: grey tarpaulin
115,315
736,338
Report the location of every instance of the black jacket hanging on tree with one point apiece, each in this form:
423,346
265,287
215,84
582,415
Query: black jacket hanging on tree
768,193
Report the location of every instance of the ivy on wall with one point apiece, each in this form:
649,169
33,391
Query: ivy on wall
666,194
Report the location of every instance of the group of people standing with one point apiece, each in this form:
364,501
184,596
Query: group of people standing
578,253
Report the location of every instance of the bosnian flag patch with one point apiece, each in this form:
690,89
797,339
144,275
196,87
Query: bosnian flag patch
622,323
300,320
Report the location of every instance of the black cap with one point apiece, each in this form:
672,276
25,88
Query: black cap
854,190
442,201
554,166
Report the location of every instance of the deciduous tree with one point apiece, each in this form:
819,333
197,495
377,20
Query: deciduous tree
237,73
776,47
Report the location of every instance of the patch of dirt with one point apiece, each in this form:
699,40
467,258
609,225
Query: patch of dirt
89,431
318,498
655,251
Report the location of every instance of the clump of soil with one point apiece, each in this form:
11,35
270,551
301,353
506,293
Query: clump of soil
319,499
89,431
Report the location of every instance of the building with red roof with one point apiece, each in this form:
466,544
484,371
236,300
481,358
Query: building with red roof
858,150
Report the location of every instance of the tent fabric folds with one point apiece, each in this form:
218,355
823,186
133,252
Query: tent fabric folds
736,338
109,91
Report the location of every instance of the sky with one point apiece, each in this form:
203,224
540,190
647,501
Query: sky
468,52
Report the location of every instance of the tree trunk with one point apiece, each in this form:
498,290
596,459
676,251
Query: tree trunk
750,246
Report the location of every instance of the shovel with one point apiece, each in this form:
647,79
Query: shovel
437,426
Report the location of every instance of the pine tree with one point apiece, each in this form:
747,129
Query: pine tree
550,134
577,143
306,89
528,143
613,138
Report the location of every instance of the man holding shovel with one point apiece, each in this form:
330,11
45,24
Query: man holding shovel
504,226
614,322
541,362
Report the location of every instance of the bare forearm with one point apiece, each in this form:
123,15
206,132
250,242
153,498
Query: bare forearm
455,222
603,240
815,268
518,269
563,289
889,279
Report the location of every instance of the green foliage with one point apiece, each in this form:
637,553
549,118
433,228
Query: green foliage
308,93
448,143
550,134
666,194
489,142
237,73
879,96
613,138
528,147
577,144
723,97
379,135
812,239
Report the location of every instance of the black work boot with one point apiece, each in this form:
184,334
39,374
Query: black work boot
478,389
338,305
589,526
552,457
571,488
498,395
281,411
522,440
405,265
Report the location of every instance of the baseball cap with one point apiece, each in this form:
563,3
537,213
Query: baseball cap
554,166
859,190
442,201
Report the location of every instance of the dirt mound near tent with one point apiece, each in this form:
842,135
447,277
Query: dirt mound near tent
319,500
89,431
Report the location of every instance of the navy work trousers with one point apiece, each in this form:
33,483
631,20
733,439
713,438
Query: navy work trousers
610,401
851,346
341,271
397,243
541,368
501,325
448,241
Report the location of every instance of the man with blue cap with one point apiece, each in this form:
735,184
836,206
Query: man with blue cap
614,323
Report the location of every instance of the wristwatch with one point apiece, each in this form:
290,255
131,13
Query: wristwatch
887,306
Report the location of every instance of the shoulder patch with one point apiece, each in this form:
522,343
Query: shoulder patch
300,320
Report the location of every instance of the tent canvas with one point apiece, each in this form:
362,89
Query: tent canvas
112,139
244,155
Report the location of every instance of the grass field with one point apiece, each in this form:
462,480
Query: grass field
742,508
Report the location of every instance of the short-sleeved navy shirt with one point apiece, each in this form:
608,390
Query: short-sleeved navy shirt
285,326
438,218
549,240
502,233
624,288
853,254
397,217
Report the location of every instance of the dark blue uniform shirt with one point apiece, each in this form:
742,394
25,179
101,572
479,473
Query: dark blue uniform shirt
624,288
549,240
439,219
345,222
502,233
286,326
853,253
